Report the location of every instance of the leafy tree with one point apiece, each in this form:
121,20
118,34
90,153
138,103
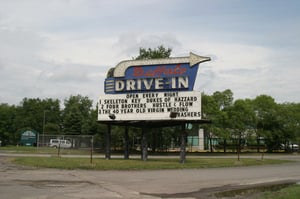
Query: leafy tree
77,116
7,124
39,115
30,114
267,123
296,114
210,107
241,120
214,108
223,99
52,116
288,123
156,53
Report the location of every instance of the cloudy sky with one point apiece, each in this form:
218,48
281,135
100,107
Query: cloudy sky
58,48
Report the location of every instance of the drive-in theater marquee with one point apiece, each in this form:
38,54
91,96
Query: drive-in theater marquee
155,89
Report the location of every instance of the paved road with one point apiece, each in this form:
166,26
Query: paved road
25,183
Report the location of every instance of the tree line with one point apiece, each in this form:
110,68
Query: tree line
260,120
232,120
242,119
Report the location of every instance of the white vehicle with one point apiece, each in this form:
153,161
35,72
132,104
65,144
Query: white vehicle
60,143
294,147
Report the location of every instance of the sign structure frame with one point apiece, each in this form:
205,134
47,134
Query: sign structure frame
152,91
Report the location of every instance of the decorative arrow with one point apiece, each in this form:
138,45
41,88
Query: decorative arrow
193,59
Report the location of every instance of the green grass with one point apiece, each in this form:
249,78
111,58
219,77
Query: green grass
136,164
290,192
42,150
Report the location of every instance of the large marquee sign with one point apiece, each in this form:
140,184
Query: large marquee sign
172,74
150,106
154,89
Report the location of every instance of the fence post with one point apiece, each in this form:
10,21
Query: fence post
108,140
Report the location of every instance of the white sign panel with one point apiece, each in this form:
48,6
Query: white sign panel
150,106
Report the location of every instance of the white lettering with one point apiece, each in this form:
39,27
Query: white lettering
159,83
151,84
119,85
130,85
183,81
148,84
173,82
139,84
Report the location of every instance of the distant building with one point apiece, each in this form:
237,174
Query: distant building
28,138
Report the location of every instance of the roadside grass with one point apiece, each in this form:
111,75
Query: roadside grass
290,192
137,164
42,150
64,151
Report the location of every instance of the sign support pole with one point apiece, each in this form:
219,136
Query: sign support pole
144,144
126,144
108,140
183,145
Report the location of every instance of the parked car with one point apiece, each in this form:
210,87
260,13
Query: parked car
60,143
294,147
290,147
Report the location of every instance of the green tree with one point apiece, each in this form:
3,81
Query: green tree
76,116
223,99
214,108
288,123
265,109
241,121
296,111
156,53
39,115
7,124
97,129
52,116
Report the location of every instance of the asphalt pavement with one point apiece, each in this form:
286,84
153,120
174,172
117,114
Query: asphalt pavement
39,183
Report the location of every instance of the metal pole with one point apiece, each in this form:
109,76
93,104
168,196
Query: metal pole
126,144
37,142
58,150
92,148
44,120
183,145
144,144
108,139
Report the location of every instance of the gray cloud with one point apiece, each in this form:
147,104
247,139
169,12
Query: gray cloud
129,44
58,48
24,72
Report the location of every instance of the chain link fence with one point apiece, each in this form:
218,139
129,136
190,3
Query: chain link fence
212,144
66,141
194,144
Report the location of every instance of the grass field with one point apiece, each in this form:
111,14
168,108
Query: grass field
136,164
290,192
43,150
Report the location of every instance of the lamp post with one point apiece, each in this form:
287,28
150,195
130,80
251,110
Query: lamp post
44,123
50,109
44,120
